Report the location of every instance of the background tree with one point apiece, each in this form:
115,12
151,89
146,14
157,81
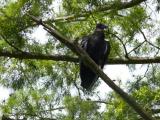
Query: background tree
50,88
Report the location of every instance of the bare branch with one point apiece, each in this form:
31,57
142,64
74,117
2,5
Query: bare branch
153,45
99,101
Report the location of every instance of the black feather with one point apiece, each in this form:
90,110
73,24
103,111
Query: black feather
98,49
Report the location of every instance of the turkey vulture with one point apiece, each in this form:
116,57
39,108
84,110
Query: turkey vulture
98,49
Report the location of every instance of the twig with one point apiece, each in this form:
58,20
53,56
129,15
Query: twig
136,47
98,101
124,46
53,109
11,44
77,89
148,41
153,45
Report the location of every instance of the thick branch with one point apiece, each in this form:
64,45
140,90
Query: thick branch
111,61
26,55
111,6
92,65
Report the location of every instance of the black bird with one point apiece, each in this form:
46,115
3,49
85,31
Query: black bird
98,49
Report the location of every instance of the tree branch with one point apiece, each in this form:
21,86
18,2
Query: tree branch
111,61
65,58
53,109
107,7
27,55
137,47
94,67
10,44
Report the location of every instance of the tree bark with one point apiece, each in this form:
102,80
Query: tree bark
65,58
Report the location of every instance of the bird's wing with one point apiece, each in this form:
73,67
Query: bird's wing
84,42
106,53
107,48
88,77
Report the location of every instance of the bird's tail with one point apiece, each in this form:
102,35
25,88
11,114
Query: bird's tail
88,77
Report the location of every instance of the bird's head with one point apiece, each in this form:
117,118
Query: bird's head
101,27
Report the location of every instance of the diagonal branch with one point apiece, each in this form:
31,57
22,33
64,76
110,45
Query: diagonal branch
92,65
137,47
10,44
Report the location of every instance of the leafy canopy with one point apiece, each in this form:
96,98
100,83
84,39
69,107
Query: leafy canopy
51,89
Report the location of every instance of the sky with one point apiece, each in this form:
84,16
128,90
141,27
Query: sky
4,93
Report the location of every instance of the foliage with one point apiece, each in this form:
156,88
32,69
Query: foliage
51,89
